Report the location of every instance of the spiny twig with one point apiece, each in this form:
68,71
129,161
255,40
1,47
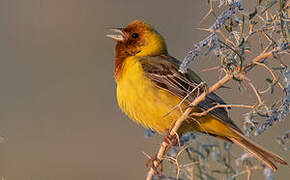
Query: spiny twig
178,123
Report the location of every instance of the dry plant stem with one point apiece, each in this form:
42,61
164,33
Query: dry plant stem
247,171
211,11
264,55
242,29
210,69
269,38
281,22
182,101
271,72
192,173
187,112
177,165
175,160
222,106
191,164
147,155
262,19
225,38
255,90
252,32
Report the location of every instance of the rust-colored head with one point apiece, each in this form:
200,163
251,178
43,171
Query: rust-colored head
136,39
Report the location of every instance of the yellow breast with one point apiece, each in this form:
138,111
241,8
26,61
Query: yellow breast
142,101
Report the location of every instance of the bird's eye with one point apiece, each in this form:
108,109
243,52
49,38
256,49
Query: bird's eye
135,35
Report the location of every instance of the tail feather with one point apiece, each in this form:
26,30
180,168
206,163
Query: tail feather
271,155
258,151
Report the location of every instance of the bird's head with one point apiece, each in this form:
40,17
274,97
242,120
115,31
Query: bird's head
138,39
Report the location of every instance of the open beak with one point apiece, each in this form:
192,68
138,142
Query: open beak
117,37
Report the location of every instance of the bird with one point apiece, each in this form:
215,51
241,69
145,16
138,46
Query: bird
150,86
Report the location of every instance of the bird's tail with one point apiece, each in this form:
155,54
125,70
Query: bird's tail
259,152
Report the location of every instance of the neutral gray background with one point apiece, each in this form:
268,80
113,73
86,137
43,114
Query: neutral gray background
58,110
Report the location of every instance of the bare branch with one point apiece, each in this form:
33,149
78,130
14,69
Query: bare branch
178,123
222,106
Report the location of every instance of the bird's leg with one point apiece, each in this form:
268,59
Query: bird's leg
150,163
171,140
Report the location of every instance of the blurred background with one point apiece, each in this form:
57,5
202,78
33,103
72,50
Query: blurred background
58,111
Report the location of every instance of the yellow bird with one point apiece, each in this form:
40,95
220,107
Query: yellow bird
149,86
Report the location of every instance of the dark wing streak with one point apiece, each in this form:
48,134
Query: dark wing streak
166,81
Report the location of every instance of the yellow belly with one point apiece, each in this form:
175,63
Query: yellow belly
143,102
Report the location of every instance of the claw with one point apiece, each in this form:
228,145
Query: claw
171,140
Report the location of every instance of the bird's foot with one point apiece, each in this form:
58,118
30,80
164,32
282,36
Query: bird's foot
171,140
157,168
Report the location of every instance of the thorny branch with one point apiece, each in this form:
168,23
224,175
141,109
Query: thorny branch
187,112
235,26
222,106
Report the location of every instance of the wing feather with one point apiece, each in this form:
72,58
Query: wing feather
163,70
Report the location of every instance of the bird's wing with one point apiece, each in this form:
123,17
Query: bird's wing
163,71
